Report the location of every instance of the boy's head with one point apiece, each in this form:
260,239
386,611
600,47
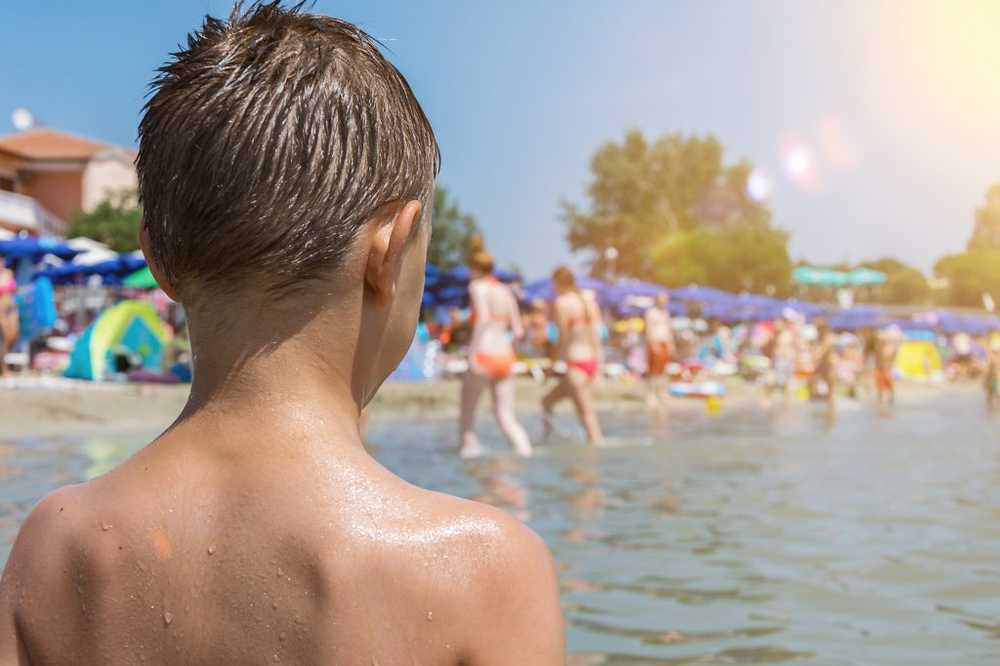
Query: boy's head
266,145
281,153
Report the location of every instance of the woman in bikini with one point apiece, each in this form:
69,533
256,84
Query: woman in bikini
578,320
8,313
495,321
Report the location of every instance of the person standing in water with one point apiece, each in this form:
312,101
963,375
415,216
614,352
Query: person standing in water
885,359
784,350
659,347
578,320
495,321
825,363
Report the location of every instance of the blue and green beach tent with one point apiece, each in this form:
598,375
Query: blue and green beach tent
132,325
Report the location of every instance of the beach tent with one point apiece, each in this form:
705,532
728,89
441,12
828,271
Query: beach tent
141,279
131,326
919,360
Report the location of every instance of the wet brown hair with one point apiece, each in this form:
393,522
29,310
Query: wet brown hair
267,143
478,258
563,277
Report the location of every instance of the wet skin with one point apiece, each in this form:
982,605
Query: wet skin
244,549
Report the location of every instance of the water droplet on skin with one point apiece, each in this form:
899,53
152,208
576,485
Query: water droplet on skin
277,658
274,605
280,572
281,636
105,526
430,616
168,617
211,550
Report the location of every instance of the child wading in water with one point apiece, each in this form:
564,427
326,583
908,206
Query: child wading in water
285,170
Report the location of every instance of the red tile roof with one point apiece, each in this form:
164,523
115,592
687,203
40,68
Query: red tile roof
42,143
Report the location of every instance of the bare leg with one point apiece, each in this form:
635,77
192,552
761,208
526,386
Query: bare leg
579,385
472,390
560,392
503,409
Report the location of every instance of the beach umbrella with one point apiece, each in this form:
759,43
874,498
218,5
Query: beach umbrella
543,290
702,294
141,279
34,248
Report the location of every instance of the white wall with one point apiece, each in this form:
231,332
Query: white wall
108,173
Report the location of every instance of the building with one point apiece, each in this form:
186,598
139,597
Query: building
47,176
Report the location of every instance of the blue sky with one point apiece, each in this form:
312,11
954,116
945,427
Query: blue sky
893,105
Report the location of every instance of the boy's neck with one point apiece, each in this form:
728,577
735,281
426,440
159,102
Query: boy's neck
285,375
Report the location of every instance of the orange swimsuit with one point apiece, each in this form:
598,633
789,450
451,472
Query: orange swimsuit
495,365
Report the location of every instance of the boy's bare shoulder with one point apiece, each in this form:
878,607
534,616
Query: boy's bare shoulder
42,557
501,583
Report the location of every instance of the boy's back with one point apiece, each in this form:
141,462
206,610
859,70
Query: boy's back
251,551
285,169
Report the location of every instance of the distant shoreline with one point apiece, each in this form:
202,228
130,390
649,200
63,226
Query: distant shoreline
81,408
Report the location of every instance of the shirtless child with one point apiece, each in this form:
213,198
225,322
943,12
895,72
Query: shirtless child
659,348
285,168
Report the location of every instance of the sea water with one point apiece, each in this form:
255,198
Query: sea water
753,536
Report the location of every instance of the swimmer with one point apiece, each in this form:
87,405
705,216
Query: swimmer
491,356
660,348
578,320
286,172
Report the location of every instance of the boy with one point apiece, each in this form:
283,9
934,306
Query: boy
285,168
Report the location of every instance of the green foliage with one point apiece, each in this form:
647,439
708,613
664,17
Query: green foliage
115,222
905,285
673,192
749,256
986,233
970,275
451,231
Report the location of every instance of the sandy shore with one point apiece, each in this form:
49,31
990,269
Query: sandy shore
49,407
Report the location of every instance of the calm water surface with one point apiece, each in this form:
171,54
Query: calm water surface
754,536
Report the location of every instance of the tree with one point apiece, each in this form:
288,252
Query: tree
986,233
970,275
643,195
750,256
904,285
115,222
451,231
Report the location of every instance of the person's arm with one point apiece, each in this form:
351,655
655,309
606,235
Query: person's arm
562,328
517,617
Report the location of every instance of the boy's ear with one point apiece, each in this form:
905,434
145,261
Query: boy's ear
388,243
147,251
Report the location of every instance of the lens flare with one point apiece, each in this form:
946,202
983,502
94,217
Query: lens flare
758,186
